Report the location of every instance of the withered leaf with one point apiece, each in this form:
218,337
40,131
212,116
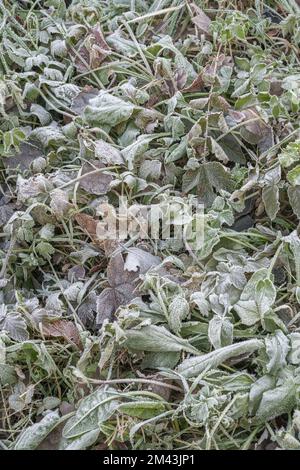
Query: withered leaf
63,329
93,50
95,183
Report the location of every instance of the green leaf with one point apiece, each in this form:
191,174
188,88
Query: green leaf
93,410
209,178
178,311
196,365
265,295
33,435
106,109
270,196
277,348
278,401
293,176
154,338
294,198
220,332
290,155
142,409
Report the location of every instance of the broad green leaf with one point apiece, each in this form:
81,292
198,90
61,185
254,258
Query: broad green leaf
107,109
209,179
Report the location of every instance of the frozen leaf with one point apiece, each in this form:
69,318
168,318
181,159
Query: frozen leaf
82,442
108,154
154,338
83,98
290,155
178,311
7,375
22,160
210,177
265,295
107,109
135,150
201,20
294,353
220,332
96,183
59,203
63,329
140,260
33,435
293,176
123,288
294,198
92,51
201,302
13,323
270,196
277,348
41,113
278,401
196,365
93,410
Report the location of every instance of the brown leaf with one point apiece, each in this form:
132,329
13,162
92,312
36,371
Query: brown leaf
83,98
196,85
201,20
63,329
95,183
93,50
123,288
89,225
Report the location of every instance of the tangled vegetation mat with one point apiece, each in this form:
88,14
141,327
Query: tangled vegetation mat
147,343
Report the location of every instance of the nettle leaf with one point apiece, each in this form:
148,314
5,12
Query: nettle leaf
270,196
196,365
294,352
13,323
209,179
220,332
93,410
33,435
108,110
